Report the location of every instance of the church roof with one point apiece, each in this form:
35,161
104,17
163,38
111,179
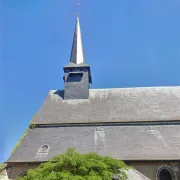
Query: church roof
69,65
112,105
125,142
124,123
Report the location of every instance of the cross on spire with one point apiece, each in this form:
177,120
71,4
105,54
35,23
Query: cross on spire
78,4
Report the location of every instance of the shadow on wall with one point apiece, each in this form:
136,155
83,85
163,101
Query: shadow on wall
60,93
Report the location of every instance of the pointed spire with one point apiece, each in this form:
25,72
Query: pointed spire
77,54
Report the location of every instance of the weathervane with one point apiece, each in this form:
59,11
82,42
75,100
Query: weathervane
78,4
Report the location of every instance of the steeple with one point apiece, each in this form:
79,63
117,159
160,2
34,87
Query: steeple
77,54
77,76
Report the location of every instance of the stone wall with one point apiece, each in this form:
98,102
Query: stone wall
17,168
150,168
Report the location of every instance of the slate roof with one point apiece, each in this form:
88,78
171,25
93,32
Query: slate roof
69,65
134,136
112,105
139,142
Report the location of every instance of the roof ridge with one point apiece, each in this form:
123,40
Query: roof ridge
140,87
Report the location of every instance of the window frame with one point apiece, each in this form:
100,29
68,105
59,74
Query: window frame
167,168
44,152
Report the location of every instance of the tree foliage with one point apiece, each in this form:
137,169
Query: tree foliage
2,166
72,165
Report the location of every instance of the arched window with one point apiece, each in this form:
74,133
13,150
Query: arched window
22,174
44,149
42,152
166,173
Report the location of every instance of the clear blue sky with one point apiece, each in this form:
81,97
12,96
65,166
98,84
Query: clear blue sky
127,43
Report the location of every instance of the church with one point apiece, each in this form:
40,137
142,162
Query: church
140,126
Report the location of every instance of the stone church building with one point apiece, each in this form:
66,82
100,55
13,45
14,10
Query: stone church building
140,126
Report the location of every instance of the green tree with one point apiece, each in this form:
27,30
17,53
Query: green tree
74,166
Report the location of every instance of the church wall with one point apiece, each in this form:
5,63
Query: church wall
17,168
150,168
3,175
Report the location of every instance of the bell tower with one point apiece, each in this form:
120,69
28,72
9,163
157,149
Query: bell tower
77,74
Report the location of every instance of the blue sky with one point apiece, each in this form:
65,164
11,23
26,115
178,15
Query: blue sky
127,43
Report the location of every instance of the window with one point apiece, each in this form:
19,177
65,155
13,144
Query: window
74,77
165,173
44,149
42,152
